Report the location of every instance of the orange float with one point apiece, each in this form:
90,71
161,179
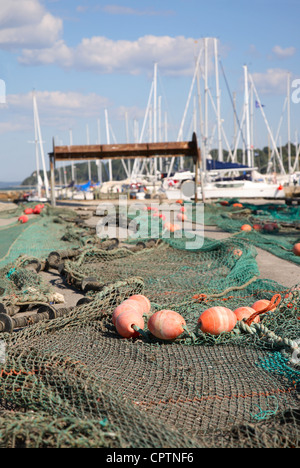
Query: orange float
172,227
126,321
246,227
262,304
257,227
296,250
270,227
180,202
37,210
166,324
244,313
238,252
23,219
127,306
181,217
143,301
237,205
28,211
183,209
217,320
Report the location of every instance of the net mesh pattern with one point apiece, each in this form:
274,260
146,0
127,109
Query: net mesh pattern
72,381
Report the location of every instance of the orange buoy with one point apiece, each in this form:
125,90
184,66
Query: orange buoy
128,305
237,205
166,324
257,227
125,322
217,320
296,250
28,211
180,202
238,252
270,227
37,210
246,227
23,219
260,305
292,290
143,301
181,217
172,227
244,313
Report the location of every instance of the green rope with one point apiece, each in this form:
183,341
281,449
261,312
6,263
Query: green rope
267,413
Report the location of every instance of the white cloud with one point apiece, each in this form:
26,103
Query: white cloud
273,81
283,53
6,127
26,23
59,103
174,55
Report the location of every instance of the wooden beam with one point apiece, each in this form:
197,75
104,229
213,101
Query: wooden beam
129,151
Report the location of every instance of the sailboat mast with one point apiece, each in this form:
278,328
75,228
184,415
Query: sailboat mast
99,162
46,182
289,124
220,149
248,144
108,142
37,157
205,98
155,116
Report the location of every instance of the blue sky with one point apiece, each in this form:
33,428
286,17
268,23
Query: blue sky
83,57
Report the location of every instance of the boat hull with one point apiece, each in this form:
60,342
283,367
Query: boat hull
239,190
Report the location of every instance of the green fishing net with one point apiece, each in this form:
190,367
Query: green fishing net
73,381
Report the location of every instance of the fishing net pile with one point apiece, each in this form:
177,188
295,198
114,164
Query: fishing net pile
275,226
70,380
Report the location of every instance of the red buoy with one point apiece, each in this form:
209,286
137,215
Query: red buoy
166,324
296,250
23,219
143,301
127,306
28,211
125,322
217,320
262,304
37,210
246,227
244,313
181,217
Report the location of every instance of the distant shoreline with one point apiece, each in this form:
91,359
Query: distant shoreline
16,188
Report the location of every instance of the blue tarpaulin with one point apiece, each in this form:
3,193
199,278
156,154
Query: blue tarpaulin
214,165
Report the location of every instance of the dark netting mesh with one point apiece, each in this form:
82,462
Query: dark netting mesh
70,380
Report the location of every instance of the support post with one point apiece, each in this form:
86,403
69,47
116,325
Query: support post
52,168
197,162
